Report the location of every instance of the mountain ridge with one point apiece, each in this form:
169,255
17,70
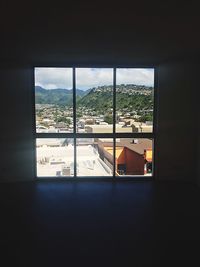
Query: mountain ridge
57,96
130,96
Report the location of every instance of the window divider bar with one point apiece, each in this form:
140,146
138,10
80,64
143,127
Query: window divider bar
34,121
74,99
74,118
114,121
54,135
155,121
75,161
95,135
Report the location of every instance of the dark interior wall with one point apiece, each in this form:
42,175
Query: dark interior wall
177,121
198,156
197,94
16,120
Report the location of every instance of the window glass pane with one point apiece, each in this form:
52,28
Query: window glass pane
93,158
134,156
94,96
94,114
53,100
55,157
134,100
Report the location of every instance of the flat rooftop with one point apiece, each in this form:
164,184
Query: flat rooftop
51,160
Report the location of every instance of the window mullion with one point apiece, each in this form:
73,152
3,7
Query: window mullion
114,121
74,118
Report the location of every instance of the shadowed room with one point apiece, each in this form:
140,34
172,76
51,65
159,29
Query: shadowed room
130,192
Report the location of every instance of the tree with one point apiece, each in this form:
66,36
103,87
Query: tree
63,119
108,118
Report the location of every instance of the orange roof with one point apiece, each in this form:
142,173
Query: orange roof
140,147
148,155
117,152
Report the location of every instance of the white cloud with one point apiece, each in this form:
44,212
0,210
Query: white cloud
86,78
142,76
51,78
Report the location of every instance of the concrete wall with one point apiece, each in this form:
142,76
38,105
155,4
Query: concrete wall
16,124
177,122
198,123
176,143
198,154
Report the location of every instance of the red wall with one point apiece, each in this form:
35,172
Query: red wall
134,162
121,158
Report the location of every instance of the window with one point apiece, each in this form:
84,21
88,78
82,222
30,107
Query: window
94,122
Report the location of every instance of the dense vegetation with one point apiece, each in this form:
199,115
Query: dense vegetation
97,101
127,99
55,96
131,99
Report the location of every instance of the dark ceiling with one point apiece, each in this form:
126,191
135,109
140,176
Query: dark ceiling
97,33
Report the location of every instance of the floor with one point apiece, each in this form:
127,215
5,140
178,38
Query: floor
99,224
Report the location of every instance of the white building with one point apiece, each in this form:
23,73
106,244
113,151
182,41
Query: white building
59,161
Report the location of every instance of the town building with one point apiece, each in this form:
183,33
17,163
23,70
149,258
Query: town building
131,155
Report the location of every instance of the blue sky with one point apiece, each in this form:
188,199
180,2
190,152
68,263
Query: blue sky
51,78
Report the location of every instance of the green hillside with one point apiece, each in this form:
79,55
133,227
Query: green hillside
55,96
96,101
133,99
127,98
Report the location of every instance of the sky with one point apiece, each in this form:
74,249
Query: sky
52,78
